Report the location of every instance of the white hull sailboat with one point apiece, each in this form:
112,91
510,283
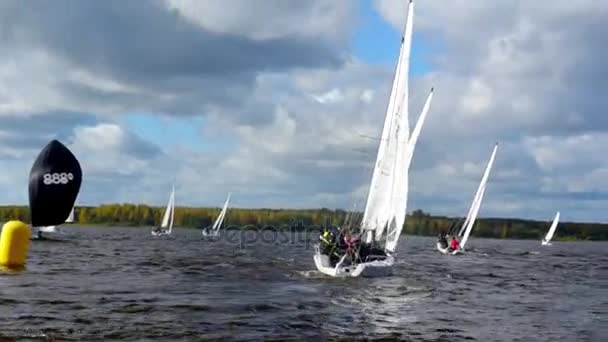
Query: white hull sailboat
547,240
467,226
166,226
215,229
385,210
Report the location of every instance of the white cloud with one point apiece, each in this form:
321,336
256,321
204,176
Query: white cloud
270,19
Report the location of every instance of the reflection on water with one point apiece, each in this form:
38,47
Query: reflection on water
121,283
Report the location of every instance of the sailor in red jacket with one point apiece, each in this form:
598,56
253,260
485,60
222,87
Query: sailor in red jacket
454,245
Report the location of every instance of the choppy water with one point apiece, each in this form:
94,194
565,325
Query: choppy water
123,284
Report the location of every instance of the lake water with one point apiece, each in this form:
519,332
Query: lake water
123,284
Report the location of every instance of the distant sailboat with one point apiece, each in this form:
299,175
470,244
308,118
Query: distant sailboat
547,240
166,226
215,229
469,222
55,180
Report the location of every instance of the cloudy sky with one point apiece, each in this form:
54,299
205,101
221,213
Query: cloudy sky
272,100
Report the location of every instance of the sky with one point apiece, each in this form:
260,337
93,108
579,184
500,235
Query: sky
272,100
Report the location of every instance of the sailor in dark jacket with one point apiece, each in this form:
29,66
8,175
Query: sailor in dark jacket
328,245
441,238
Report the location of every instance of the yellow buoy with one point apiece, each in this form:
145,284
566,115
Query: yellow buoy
14,243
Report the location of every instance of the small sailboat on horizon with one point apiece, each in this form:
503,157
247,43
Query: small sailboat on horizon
546,241
469,222
166,226
215,229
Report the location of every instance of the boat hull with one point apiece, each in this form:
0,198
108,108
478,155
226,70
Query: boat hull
160,233
545,243
50,229
210,234
379,268
457,251
442,250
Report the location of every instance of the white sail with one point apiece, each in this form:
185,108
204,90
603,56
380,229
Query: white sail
471,209
400,204
474,204
551,231
389,177
169,212
477,201
70,218
220,218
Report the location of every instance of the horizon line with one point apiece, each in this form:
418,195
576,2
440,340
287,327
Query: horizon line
321,208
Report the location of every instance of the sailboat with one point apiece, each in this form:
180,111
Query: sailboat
166,226
547,240
385,210
215,229
54,183
467,226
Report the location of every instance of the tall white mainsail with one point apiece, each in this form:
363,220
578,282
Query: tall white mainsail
470,222
389,178
169,212
220,218
400,201
551,231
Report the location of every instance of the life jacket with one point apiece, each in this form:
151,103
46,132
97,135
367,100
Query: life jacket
326,237
455,244
351,242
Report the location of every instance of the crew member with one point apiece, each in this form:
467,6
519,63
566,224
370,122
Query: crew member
441,239
328,245
455,244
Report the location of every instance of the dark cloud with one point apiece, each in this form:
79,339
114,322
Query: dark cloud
32,133
145,57
144,41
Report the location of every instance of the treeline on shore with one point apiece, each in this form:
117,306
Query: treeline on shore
417,223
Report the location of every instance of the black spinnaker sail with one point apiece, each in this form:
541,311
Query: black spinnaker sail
55,180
